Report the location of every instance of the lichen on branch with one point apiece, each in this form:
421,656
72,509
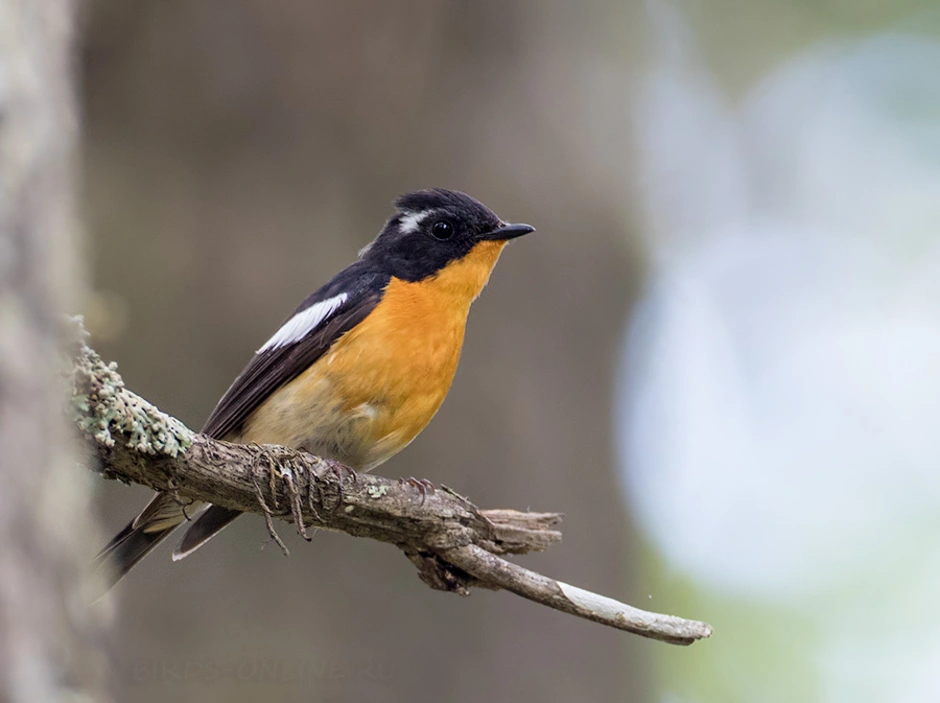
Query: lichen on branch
101,406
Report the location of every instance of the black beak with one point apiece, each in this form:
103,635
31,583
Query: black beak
508,231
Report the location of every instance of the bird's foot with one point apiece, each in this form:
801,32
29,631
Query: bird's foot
422,485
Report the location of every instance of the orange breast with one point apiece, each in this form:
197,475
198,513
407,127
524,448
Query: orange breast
381,383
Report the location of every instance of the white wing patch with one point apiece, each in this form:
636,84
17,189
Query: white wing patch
411,221
304,322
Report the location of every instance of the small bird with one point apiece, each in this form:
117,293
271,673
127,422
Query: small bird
361,366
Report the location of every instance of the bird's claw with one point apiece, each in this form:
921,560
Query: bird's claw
337,469
421,484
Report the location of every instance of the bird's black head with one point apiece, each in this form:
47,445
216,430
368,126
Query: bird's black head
433,228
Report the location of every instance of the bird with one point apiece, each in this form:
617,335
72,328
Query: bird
358,370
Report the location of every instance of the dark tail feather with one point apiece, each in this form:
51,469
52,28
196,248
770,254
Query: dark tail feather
128,547
207,526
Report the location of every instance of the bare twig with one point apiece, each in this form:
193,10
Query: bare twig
454,544
496,572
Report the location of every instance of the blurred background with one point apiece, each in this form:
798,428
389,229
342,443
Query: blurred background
717,355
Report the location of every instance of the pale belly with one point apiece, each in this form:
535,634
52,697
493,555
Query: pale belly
318,414
379,385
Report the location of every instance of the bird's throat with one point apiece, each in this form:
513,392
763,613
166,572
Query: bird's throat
461,281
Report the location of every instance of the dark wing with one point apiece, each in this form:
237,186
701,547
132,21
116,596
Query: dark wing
277,364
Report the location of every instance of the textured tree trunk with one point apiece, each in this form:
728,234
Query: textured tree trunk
46,630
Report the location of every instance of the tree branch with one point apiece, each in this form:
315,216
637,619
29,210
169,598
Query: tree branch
453,544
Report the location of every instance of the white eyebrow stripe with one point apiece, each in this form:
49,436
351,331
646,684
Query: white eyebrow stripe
304,322
410,221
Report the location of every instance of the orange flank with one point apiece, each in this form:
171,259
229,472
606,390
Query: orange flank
381,383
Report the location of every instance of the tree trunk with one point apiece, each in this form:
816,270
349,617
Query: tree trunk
45,627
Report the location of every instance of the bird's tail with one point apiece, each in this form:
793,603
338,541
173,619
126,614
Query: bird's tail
154,524
207,526
128,547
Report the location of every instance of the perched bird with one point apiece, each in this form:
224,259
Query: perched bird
361,366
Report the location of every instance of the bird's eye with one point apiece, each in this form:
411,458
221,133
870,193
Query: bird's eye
442,229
